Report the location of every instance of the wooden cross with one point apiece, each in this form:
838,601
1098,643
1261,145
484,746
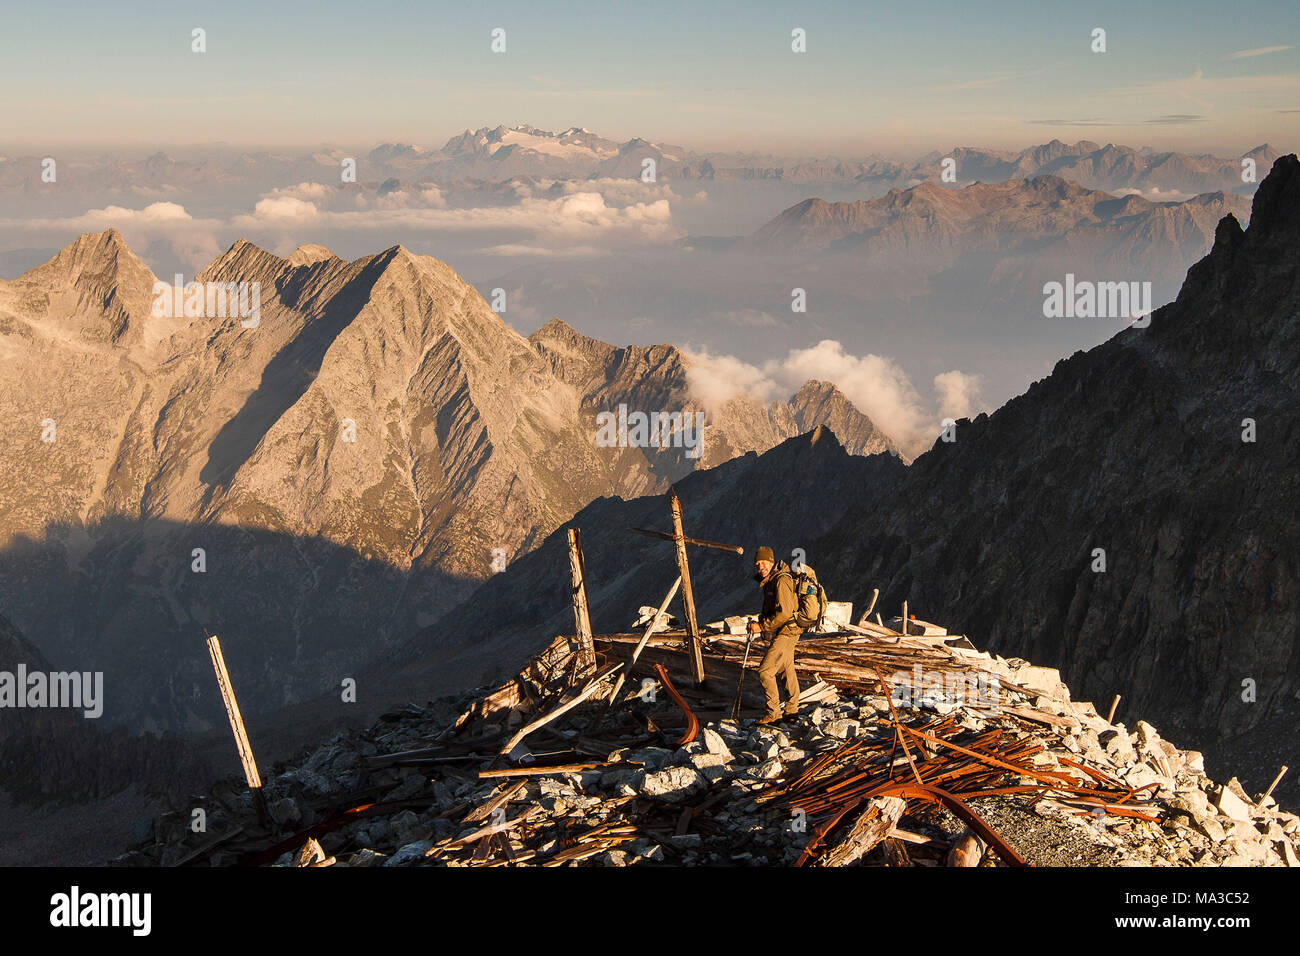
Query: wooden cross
679,538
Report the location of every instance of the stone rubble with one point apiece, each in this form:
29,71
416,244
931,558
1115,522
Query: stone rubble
655,803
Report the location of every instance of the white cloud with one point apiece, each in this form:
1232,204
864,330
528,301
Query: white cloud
194,240
875,384
577,217
959,394
878,387
713,380
1257,51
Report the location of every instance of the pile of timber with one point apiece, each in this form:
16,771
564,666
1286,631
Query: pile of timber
909,749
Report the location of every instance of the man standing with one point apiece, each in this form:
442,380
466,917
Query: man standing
778,622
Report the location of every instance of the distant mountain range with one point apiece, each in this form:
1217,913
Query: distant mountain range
497,154
315,481
505,152
1027,217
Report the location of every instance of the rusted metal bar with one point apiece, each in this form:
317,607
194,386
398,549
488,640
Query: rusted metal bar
818,835
965,813
692,723
889,699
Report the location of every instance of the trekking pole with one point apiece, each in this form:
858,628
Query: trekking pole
735,704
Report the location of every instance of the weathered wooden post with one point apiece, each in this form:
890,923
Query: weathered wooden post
1110,717
237,726
688,596
581,613
1276,780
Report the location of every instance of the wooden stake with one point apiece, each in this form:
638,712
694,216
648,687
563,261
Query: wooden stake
581,614
1110,718
906,629
618,684
563,709
866,615
1269,792
688,596
237,727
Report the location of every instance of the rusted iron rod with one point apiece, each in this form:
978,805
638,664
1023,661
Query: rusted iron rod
965,813
692,723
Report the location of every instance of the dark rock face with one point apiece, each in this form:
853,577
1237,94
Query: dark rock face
58,755
1136,448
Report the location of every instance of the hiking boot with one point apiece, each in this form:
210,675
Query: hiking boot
791,714
771,719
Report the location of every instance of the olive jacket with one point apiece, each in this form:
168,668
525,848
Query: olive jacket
779,603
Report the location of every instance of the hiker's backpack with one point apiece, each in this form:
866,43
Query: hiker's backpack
811,596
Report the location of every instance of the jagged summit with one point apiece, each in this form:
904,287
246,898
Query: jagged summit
95,289
310,253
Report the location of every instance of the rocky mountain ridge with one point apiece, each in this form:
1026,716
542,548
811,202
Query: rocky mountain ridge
374,432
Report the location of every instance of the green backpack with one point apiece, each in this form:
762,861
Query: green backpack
811,597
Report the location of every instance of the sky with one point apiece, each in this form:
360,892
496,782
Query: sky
892,79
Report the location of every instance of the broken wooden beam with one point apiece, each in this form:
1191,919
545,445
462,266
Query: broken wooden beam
967,850
242,743
1276,780
874,824
649,629
697,542
563,709
543,771
581,612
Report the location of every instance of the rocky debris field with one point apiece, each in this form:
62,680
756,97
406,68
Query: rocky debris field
848,781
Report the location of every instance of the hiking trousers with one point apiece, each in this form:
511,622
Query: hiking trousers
779,659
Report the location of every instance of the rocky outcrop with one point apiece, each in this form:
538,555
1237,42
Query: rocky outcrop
657,377
55,755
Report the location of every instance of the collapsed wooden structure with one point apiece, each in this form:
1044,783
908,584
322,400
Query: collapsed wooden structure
591,708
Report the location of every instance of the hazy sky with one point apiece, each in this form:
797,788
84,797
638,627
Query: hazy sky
890,78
